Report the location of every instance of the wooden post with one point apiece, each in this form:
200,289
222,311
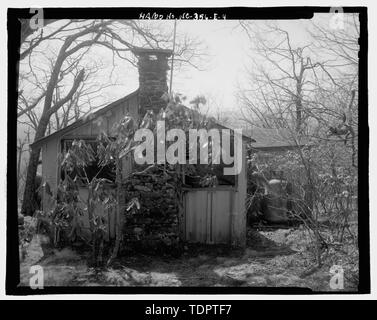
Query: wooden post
238,200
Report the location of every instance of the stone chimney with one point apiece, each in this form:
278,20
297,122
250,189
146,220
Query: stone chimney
153,66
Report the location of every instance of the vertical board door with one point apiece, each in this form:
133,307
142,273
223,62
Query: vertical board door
208,216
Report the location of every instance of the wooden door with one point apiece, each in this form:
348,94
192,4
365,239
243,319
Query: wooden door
208,216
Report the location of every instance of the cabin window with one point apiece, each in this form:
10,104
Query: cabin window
208,175
152,57
93,169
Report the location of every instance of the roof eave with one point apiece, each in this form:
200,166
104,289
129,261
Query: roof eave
80,122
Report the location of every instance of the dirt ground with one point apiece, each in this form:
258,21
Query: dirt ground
276,258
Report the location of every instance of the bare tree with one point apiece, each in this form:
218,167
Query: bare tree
282,80
341,94
57,94
310,90
22,144
29,44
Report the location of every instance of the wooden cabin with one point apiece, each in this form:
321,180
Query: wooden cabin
210,215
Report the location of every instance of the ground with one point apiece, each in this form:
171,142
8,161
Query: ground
275,258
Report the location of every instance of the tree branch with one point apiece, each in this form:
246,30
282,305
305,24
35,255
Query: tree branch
70,94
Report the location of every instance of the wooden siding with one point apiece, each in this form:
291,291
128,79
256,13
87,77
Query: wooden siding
196,216
208,215
90,130
238,218
106,214
49,171
105,122
50,162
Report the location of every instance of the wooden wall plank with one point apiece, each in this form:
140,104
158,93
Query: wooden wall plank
208,216
50,163
107,215
196,216
221,212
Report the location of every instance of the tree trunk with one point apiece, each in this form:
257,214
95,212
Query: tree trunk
28,201
20,150
298,107
298,116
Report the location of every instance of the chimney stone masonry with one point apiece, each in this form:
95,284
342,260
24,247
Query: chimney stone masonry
153,67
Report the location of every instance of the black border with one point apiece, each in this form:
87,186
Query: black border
12,259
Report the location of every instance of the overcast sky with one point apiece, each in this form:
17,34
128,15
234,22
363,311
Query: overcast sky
229,53
229,49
